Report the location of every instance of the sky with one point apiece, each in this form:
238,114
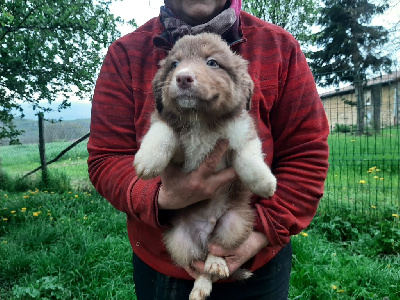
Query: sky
144,10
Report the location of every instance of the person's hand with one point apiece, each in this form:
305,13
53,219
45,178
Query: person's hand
181,189
236,257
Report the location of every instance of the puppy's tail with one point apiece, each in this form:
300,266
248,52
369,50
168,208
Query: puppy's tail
241,274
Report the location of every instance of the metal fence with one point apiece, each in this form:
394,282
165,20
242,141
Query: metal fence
364,166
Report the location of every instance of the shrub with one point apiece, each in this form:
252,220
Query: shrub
57,182
342,128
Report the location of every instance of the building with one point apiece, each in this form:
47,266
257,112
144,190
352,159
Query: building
382,103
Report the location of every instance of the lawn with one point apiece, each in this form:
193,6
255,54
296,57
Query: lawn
17,160
74,245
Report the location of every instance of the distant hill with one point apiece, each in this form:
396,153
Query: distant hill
68,130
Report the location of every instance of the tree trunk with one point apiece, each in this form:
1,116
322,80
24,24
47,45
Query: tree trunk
42,149
376,99
397,106
358,86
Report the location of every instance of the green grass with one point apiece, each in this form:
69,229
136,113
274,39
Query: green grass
77,248
328,270
63,246
17,160
364,172
74,245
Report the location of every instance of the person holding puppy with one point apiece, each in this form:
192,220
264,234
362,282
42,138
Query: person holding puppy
290,121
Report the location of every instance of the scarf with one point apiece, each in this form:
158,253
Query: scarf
225,24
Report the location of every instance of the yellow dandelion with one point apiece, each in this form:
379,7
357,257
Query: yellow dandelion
340,291
5,219
23,208
49,214
13,211
4,242
45,192
395,215
39,212
304,234
377,170
369,171
5,195
362,181
334,287
35,214
85,217
381,178
376,177
69,192
76,196
373,206
25,197
51,218
52,193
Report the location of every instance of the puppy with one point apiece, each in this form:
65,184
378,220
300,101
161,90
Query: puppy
202,90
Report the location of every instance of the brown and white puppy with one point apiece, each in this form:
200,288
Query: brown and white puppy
201,90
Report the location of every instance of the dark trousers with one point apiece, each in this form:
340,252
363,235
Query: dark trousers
269,282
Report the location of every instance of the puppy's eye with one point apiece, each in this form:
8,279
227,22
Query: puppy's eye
174,64
212,63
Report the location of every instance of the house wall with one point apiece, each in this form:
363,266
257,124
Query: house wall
339,111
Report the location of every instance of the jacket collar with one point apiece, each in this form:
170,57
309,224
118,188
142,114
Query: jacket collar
226,24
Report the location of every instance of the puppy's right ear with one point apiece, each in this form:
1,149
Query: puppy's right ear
158,84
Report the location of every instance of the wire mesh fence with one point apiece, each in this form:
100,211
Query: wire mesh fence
364,163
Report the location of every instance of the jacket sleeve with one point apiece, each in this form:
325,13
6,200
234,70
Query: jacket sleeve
112,143
299,129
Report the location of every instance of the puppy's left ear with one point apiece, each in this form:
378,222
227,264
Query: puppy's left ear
248,87
157,84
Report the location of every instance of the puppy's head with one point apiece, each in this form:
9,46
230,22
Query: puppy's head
202,75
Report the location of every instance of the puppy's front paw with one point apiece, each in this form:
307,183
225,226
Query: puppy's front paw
148,165
215,265
201,289
265,186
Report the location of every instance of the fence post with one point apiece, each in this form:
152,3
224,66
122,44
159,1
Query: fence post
42,148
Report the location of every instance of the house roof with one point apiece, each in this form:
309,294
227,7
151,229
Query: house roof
383,79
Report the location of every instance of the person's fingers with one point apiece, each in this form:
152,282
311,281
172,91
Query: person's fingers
192,272
222,179
217,250
198,266
211,162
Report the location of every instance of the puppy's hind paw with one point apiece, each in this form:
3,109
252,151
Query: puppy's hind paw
217,266
201,289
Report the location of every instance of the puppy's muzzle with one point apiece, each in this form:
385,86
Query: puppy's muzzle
185,79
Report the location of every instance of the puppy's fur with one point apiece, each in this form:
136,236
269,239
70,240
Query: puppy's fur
201,90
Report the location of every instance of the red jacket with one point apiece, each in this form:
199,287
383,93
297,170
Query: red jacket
289,116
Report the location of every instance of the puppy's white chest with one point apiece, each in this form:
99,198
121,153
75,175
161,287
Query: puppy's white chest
197,144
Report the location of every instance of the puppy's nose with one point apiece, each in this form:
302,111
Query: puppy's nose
184,80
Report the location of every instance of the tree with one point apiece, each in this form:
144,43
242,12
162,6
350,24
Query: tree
296,16
50,50
349,47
